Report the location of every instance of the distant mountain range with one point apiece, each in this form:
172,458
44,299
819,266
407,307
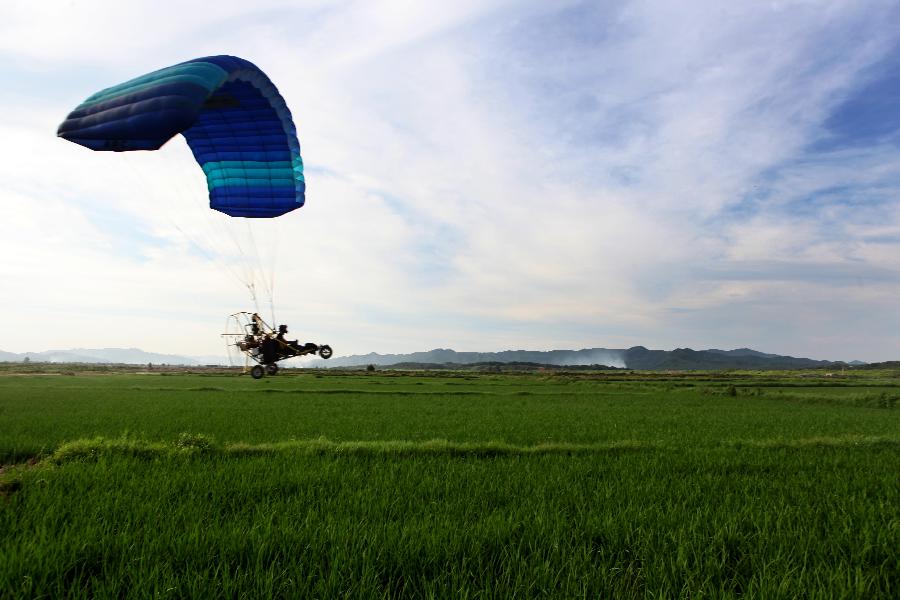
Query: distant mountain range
107,355
638,357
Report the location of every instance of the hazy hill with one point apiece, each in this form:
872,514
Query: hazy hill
637,357
686,359
890,364
99,355
10,357
593,356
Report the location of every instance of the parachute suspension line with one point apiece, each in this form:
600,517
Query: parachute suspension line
266,282
252,288
188,198
152,186
273,260
247,259
244,271
219,233
247,276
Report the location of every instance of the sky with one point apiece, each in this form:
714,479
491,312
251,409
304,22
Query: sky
481,175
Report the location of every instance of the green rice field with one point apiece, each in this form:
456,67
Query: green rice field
330,484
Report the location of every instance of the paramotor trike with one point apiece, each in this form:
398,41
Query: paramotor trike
248,336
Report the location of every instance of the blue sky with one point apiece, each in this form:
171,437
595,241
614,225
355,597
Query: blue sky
481,176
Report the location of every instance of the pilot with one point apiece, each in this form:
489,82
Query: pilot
282,330
254,324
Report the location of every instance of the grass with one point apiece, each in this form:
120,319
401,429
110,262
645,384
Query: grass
448,486
38,413
189,445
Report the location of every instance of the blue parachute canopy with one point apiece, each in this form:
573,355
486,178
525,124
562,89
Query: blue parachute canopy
232,116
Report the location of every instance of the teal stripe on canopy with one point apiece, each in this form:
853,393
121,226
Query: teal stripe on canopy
213,183
229,166
204,74
247,172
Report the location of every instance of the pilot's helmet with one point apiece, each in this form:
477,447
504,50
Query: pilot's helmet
282,329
